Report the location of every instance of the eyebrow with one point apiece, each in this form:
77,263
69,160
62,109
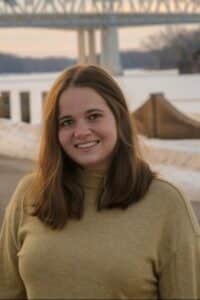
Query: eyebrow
87,112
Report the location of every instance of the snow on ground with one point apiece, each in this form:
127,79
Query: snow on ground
176,160
186,179
18,140
179,153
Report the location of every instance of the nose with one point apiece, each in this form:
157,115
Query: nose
81,130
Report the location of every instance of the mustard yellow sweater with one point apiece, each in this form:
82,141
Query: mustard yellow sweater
149,251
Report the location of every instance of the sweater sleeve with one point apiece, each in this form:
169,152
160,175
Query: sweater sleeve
180,274
11,284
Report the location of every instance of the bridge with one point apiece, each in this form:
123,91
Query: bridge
87,16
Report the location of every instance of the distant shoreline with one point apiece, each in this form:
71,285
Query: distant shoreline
10,63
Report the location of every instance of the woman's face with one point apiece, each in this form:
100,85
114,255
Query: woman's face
87,127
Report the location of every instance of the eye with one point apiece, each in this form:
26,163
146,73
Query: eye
66,123
94,116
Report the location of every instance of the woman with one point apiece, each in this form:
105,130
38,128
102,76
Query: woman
94,221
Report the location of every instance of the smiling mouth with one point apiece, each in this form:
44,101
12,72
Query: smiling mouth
86,145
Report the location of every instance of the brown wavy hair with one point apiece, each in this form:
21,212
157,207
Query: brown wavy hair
59,196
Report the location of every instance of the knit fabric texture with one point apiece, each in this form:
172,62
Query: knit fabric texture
150,250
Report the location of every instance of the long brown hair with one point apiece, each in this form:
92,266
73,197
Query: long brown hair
59,196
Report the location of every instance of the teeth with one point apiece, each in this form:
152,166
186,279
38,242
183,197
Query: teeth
85,145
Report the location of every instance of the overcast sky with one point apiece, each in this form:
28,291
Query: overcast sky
44,42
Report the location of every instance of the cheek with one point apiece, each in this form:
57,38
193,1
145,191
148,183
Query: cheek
60,137
63,138
114,130
111,133
115,137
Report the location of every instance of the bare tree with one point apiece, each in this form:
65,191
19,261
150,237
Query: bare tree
173,47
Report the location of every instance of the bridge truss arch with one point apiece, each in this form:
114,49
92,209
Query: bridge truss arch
98,6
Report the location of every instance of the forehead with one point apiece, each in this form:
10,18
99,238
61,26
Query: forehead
80,99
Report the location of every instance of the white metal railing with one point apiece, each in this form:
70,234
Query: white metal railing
182,90
35,84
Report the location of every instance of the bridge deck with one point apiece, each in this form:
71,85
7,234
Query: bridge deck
72,22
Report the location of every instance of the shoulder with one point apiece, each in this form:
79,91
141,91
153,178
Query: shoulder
25,183
166,189
175,206
21,192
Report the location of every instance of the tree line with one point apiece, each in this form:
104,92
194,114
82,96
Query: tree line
178,48
15,64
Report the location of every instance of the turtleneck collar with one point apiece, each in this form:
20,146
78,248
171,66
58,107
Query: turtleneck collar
92,179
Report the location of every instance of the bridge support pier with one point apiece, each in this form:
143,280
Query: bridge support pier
92,50
110,56
86,42
81,47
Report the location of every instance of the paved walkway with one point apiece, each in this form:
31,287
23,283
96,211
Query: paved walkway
11,170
